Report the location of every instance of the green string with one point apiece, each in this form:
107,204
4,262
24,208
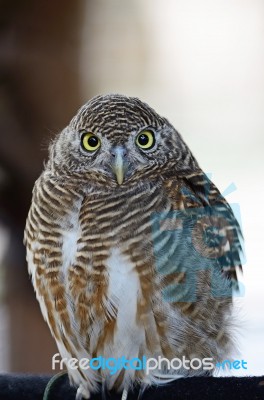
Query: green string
51,382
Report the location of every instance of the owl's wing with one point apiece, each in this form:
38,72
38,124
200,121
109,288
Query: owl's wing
51,237
210,236
61,238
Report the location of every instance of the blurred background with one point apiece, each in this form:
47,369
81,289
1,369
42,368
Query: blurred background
199,63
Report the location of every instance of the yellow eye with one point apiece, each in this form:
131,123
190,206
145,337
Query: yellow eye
90,142
145,140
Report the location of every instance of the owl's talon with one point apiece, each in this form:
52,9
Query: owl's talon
82,394
124,394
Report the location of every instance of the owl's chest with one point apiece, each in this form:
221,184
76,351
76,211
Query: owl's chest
115,235
120,217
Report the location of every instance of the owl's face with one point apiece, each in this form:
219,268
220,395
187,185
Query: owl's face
117,138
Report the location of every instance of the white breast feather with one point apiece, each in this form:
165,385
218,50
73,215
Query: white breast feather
123,292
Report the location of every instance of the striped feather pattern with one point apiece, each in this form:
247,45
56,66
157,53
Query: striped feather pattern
109,282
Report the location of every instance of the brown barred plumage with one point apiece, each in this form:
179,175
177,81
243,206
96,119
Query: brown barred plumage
109,282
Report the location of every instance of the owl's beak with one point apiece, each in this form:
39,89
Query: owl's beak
118,163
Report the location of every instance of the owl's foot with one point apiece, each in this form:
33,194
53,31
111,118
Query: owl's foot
124,394
82,393
140,393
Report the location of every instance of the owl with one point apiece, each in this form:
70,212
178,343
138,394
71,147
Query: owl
132,250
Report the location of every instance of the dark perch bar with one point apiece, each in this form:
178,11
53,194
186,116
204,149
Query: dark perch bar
27,387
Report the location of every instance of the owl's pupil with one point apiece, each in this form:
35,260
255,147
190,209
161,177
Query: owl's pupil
93,141
143,139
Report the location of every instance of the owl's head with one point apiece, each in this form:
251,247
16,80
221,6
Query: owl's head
119,139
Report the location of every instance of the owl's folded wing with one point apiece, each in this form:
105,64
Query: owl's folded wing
51,236
207,234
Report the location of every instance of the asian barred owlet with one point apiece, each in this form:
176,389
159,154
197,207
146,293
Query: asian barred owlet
132,249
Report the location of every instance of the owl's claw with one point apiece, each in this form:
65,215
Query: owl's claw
78,396
124,394
82,394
